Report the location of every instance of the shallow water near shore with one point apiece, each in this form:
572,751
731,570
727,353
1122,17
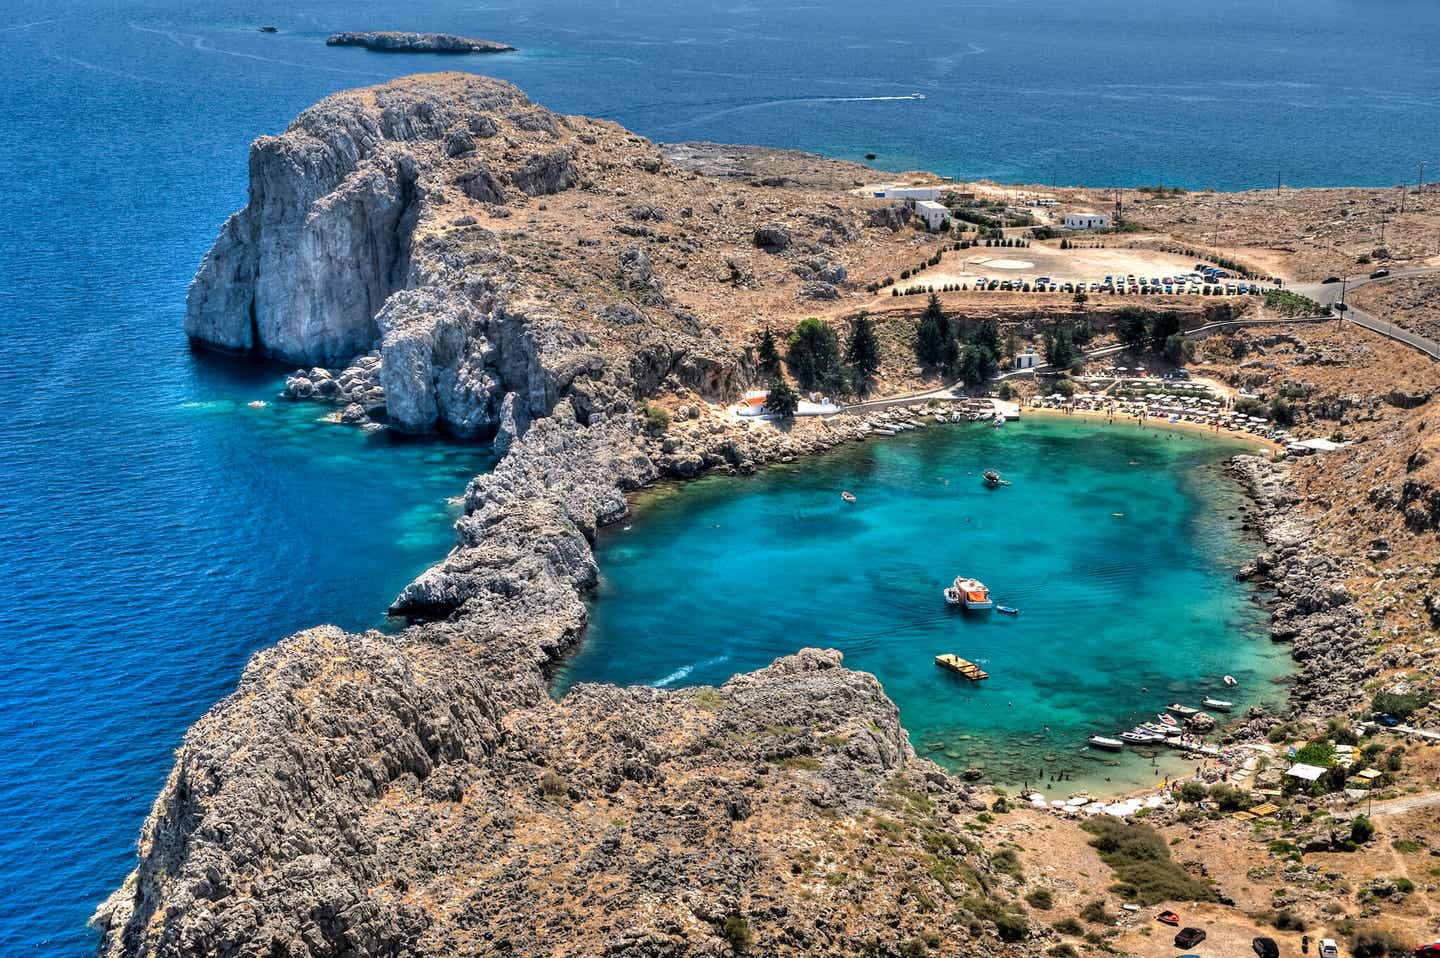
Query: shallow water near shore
1118,546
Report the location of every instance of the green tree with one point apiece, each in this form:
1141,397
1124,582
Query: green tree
1178,349
930,336
862,352
1361,830
1162,327
814,355
768,355
1059,346
783,400
1132,327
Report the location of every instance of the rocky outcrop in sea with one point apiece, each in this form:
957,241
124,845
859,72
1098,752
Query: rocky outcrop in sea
395,41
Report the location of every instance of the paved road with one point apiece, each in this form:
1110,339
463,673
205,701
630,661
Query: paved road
1328,294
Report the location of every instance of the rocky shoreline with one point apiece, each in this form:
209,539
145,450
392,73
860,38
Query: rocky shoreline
1311,608
422,793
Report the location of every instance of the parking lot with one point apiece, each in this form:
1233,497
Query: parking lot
1132,270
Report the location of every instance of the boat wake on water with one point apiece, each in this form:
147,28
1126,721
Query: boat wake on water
683,672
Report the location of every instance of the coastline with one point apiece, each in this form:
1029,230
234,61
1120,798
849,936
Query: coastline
451,722
1193,428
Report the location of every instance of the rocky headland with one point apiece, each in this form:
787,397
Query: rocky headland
374,794
440,253
395,41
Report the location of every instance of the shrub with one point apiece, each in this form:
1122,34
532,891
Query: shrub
1287,920
1193,792
1372,942
1361,830
783,400
1063,951
553,784
1140,858
657,418
1069,926
1400,705
737,932
1096,912
1041,898
1012,927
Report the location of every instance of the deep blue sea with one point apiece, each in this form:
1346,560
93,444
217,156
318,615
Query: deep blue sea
156,529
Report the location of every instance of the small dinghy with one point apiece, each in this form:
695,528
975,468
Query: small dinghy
1180,711
1108,744
1168,918
848,496
993,480
1168,720
1219,705
1007,609
1230,680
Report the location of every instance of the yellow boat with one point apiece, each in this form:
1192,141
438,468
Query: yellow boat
959,666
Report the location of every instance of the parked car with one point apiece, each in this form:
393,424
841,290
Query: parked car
1330,279
1428,951
1265,948
1380,273
1389,721
1328,948
1190,937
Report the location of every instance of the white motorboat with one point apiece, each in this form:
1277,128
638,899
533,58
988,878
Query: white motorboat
1219,705
969,593
1138,737
1109,744
998,421
1180,711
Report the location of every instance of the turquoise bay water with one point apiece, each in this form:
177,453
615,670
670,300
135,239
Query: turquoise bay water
1118,546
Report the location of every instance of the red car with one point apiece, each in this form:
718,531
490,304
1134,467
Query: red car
1431,950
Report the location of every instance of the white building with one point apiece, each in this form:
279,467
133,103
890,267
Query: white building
915,193
1086,221
1027,360
932,213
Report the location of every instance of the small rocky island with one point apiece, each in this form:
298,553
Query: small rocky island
395,41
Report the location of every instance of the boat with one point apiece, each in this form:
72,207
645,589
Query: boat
1137,737
917,96
970,593
848,496
1109,744
992,479
1180,711
962,667
1155,728
998,421
1230,680
1168,720
1168,918
1219,705
1007,609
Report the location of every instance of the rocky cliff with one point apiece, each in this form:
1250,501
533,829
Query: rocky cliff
483,252
422,793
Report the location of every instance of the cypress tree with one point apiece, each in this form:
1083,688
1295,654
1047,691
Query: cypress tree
863,352
768,355
930,336
814,355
